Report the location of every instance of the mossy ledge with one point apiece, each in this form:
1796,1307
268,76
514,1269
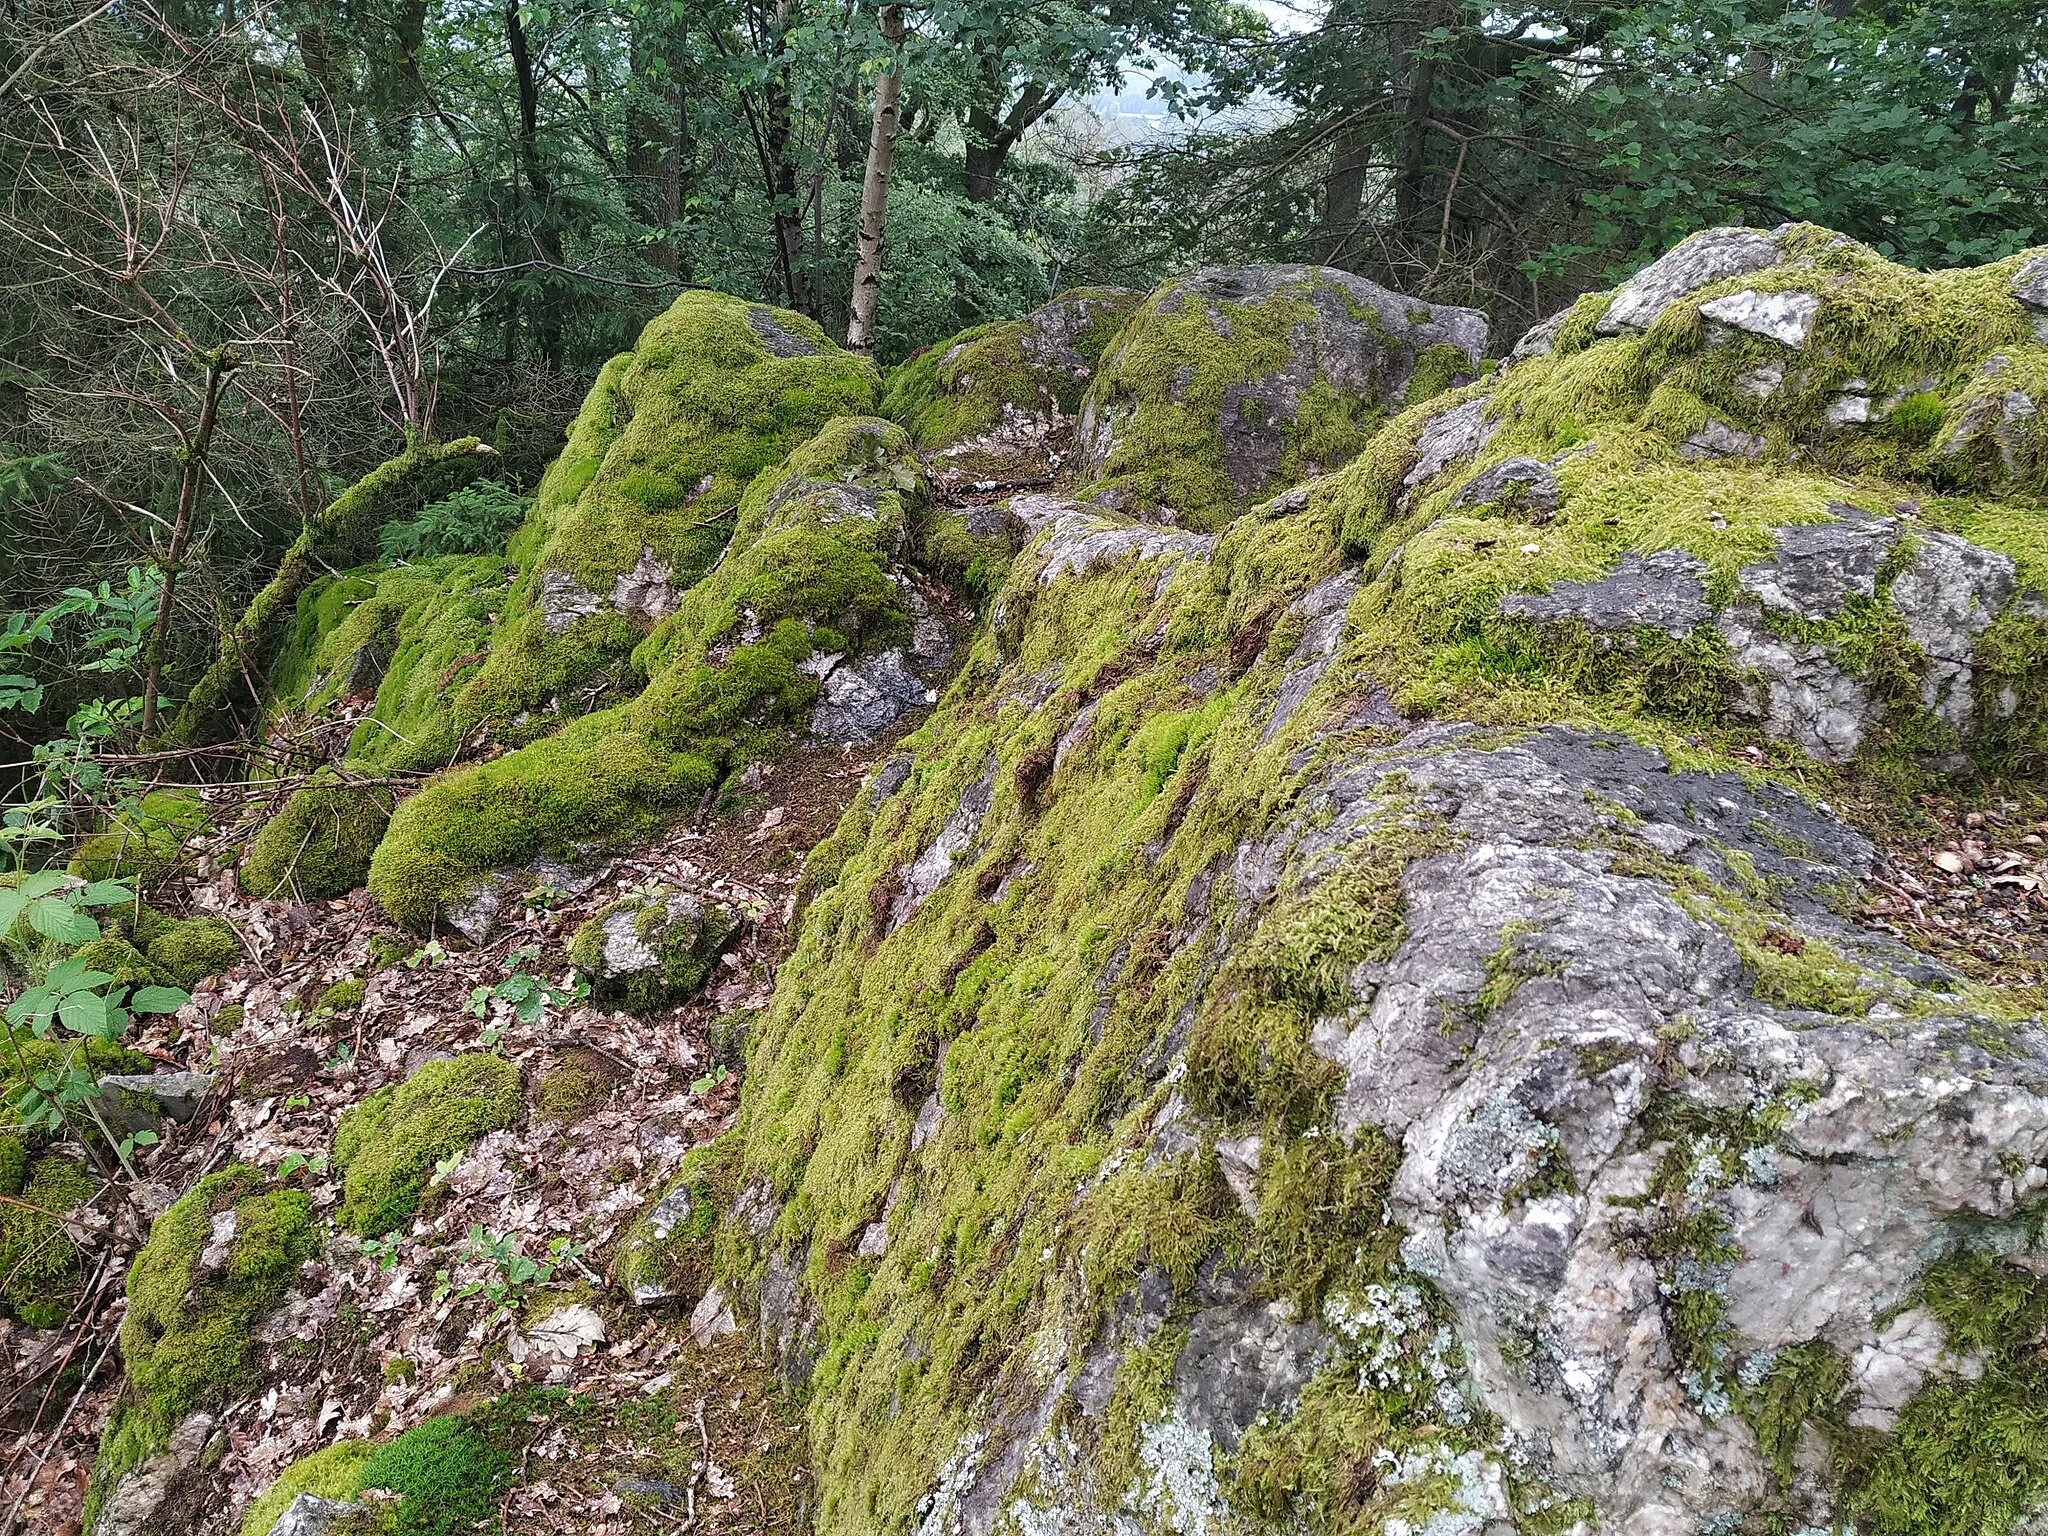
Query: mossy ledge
387,1146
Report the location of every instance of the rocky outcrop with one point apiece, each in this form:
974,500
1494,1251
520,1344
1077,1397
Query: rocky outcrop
1233,382
1223,1084
994,408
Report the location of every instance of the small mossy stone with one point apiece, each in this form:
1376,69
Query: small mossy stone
216,1263
652,950
228,1019
320,844
580,1081
190,951
333,1472
345,996
129,966
41,1268
388,1144
142,842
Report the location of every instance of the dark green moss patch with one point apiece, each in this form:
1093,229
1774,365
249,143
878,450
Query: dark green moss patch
319,845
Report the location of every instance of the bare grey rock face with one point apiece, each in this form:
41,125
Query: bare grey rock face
924,874
1711,256
1322,608
1666,591
645,589
1080,538
2030,287
131,1509
1783,317
1540,340
1718,440
145,1100
780,341
1795,689
564,600
1818,567
1241,1361
1525,484
1449,438
861,698
311,1515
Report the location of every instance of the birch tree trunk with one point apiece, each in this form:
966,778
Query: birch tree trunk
874,192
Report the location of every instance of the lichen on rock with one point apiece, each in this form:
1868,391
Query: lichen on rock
652,949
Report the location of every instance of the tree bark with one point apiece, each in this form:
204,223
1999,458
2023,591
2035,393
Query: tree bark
1344,194
874,190
191,472
990,137
539,185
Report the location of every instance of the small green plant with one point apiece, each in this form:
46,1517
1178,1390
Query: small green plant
475,520
529,996
511,1271
52,903
385,1250
710,1080
429,954
292,1162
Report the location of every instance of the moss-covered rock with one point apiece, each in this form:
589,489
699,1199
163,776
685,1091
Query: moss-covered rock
1230,383
807,626
333,1472
642,499
652,949
342,536
344,996
143,842
667,1253
387,1145
996,404
129,966
412,636
1317,1001
42,1270
216,1263
193,949
320,843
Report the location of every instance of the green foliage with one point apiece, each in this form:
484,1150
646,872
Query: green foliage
511,1273
142,839
388,1144
320,844
474,519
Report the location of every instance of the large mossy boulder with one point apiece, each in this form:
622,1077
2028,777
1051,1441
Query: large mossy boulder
387,1145
995,406
1361,1020
216,1264
644,497
809,627
1232,382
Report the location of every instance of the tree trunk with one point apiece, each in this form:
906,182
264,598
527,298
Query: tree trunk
1344,195
990,138
191,472
874,191
546,238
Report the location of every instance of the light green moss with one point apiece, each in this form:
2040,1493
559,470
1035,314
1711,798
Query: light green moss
1164,386
319,845
332,1473
388,1144
189,1337
129,966
345,996
958,388
809,573
42,1270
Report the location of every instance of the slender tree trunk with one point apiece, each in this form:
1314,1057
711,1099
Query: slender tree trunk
874,191
191,472
546,238
1344,194
990,137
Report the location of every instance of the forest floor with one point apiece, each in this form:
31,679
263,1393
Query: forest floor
380,1336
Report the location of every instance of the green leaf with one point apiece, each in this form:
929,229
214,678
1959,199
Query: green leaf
158,999
84,1013
61,921
103,893
43,882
